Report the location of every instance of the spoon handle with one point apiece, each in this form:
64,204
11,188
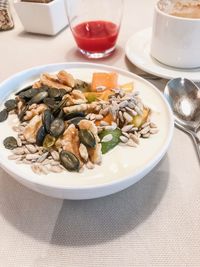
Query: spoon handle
195,138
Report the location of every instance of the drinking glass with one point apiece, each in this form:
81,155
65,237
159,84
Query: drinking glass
95,25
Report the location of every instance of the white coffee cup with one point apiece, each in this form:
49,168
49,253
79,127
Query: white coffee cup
175,40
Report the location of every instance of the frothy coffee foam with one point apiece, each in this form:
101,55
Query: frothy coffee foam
186,9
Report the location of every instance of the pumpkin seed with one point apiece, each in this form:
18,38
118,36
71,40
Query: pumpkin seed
10,142
24,89
3,115
57,127
69,161
10,104
50,102
54,93
38,97
40,135
47,119
87,138
72,115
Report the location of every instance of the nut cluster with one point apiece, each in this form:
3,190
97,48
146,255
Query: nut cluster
6,21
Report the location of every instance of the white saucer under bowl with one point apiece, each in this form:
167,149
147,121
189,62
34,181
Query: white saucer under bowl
138,52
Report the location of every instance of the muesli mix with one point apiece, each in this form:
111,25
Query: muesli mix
66,123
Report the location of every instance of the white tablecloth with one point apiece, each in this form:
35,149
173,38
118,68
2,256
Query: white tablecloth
156,222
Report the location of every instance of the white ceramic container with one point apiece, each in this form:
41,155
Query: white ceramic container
121,167
43,18
175,40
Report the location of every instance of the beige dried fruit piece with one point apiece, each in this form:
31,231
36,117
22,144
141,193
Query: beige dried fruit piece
82,107
53,82
66,78
37,84
75,98
70,141
30,131
95,154
37,111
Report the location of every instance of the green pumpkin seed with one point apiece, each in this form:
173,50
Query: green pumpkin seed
87,138
3,115
39,97
69,161
40,136
10,104
54,93
57,127
10,142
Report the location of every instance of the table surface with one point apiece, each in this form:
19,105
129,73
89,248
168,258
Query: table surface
155,222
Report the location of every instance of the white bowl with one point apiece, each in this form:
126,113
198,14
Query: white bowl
44,18
120,168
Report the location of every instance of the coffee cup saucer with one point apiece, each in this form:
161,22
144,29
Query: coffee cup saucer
138,52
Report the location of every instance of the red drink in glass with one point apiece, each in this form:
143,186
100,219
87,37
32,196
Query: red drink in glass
95,25
96,36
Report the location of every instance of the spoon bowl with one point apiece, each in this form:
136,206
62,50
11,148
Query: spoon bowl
184,98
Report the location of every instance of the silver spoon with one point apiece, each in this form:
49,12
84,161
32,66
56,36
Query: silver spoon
184,98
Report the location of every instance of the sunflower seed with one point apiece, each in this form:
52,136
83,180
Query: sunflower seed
123,139
121,116
131,111
16,128
134,138
145,125
89,165
109,127
15,157
127,117
55,155
42,157
32,156
125,134
21,136
131,143
113,112
123,104
18,151
145,130
131,105
25,161
107,138
147,135
104,123
36,168
54,163
26,151
19,142
83,152
100,88
55,169
153,130
153,125
19,161
104,111
138,110
44,169
31,148
92,116
98,117
127,128
121,93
